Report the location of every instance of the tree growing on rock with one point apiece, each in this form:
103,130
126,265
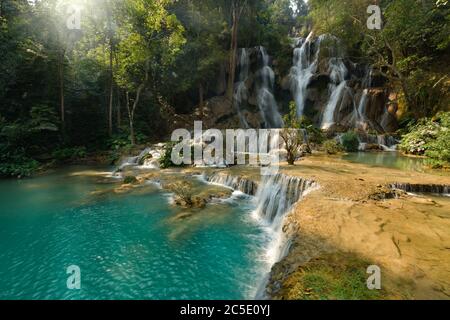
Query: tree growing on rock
291,134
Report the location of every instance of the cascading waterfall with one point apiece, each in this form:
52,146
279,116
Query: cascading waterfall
360,117
234,182
302,71
134,161
147,158
337,88
266,101
241,92
264,87
321,60
275,197
438,189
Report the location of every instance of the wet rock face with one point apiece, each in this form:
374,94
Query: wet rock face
330,89
337,93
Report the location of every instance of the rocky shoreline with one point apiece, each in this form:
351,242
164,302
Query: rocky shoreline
359,214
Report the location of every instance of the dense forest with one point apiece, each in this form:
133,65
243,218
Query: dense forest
81,77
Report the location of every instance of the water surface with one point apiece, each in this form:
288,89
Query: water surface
388,160
128,246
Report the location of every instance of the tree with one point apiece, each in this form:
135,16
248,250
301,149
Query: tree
291,135
408,50
237,8
152,37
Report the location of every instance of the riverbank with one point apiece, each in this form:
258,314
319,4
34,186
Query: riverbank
356,216
355,212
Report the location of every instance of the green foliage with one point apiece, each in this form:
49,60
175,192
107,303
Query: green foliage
315,135
411,49
438,151
121,141
166,160
336,276
430,137
16,163
291,134
331,146
67,154
129,180
350,141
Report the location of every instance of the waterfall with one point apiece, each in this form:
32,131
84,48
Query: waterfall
360,117
264,87
244,185
147,158
275,198
134,161
302,71
241,91
423,188
277,194
266,101
337,88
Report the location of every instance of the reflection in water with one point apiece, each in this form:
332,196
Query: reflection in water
387,159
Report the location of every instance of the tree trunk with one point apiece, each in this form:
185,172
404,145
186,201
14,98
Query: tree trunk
61,92
111,85
119,107
201,103
233,52
130,119
132,137
131,112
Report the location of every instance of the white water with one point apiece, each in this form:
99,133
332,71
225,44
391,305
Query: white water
304,67
266,101
265,81
360,118
241,92
274,199
337,88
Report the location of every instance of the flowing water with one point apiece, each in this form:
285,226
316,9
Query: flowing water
128,246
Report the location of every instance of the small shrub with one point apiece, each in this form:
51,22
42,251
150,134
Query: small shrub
129,180
438,151
69,153
431,138
166,157
183,191
315,135
17,165
291,134
350,141
332,146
